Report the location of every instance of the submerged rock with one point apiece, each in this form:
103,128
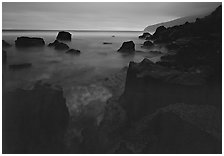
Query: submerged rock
107,43
127,47
20,66
5,44
64,36
24,42
34,121
73,51
58,45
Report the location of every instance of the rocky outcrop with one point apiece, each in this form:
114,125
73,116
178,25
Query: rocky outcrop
58,45
150,86
34,121
64,36
144,35
73,51
127,47
5,44
20,66
147,44
24,42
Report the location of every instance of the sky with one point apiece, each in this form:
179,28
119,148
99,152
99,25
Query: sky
130,16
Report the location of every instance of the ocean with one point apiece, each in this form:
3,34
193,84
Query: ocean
80,76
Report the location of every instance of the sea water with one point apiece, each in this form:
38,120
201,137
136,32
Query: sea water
80,76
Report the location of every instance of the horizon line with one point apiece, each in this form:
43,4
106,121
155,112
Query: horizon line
70,30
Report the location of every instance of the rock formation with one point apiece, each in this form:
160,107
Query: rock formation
64,36
147,44
58,45
145,35
34,121
24,42
127,47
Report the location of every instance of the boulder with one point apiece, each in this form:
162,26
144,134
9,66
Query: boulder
5,44
127,47
20,66
34,121
58,45
73,51
144,35
147,44
24,42
64,36
158,31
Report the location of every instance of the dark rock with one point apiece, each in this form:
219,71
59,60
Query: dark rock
64,36
73,51
159,30
128,47
5,44
20,66
147,82
34,121
4,56
148,44
144,35
58,45
24,42
107,43
113,36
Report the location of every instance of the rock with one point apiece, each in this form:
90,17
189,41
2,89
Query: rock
58,45
64,36
5,44
73,51
158,31
128,47
34,121
155,52
113,36
107,43
147,82
144,35
148,44
20,66
4,56
24,42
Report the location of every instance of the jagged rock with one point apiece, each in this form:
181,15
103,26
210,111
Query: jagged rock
144,35
64,36
58,45
34,121
128,47
20,66
73,51
147,82
147,44
29,42
5,44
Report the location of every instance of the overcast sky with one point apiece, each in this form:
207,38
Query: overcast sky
96,16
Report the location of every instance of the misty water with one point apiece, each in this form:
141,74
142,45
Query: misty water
81,76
